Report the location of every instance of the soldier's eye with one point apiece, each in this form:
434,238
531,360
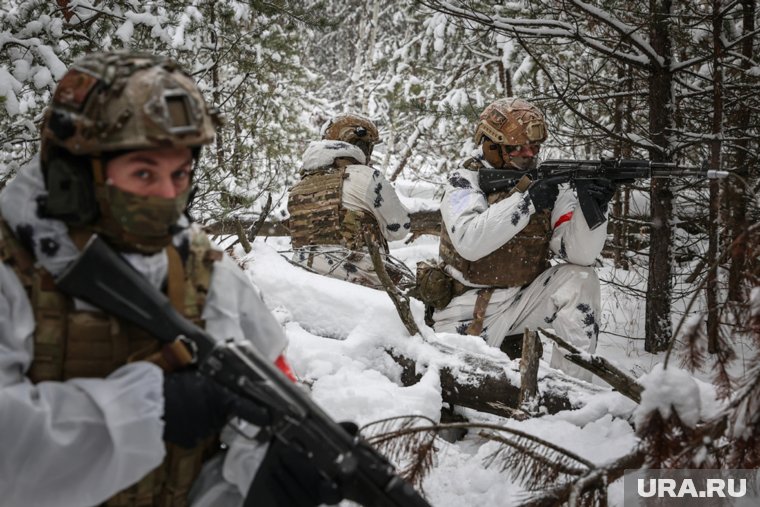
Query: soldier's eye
143,174
181,174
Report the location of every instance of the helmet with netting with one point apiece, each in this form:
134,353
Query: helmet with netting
109,102
354,129
512,122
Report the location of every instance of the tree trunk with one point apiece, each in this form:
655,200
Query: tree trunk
737,196
711,287
404,157
505,78
215,95
619,236
531,349
659,327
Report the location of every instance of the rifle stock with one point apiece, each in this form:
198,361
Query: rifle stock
103,278
582,172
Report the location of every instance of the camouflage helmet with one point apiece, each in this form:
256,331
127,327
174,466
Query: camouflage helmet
117,101
512,122
354,129
105,105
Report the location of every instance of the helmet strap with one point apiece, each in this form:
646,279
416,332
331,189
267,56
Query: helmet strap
492,153
366,147
70,190
98,170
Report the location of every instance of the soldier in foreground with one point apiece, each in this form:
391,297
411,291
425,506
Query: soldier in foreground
339,199
92,410
495,249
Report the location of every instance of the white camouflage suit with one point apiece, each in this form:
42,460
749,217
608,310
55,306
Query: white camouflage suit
565,297
364,189
78,442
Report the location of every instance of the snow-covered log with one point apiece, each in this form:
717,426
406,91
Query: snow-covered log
490,385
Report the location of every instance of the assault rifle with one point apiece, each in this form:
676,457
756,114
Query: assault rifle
102,277
582,172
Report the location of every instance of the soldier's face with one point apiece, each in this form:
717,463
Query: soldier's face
522,157
158,173
525,151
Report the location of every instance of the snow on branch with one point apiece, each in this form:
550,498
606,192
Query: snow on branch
627,31
545,28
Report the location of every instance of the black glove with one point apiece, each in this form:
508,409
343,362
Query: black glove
543,194
601,190
196,407
288,478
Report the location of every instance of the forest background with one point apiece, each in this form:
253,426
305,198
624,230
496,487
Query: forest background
664,80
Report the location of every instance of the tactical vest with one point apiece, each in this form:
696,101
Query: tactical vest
71,343
317,215
514,264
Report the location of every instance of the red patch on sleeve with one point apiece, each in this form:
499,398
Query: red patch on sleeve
284,367
564,218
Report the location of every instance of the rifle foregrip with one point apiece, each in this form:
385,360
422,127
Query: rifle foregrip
591,212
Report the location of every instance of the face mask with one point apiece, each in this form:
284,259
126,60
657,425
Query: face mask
142,223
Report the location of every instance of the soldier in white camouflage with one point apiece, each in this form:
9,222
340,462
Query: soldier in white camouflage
340,201
93,411
496,249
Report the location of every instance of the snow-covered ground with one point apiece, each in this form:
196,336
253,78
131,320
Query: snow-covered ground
338,335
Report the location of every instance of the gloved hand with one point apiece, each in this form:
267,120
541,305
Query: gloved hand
288,477
602,190
543,193
196,407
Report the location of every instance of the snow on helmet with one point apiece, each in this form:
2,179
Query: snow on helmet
354,129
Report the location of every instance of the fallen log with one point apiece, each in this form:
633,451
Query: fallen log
423,222
229,226
490,385
614,376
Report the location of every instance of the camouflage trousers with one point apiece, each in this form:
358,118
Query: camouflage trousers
565,298
351,266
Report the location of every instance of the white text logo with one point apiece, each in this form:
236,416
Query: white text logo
714,488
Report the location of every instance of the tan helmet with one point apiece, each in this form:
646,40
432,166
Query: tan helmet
354,129
119,100
512,122
106,104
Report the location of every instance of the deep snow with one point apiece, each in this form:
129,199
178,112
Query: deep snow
338,333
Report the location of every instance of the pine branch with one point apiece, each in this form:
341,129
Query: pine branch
529,459
694,353
595,481
414,450
242,236
750,232
532,463
258,224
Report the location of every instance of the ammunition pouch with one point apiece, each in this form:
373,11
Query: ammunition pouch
435,287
